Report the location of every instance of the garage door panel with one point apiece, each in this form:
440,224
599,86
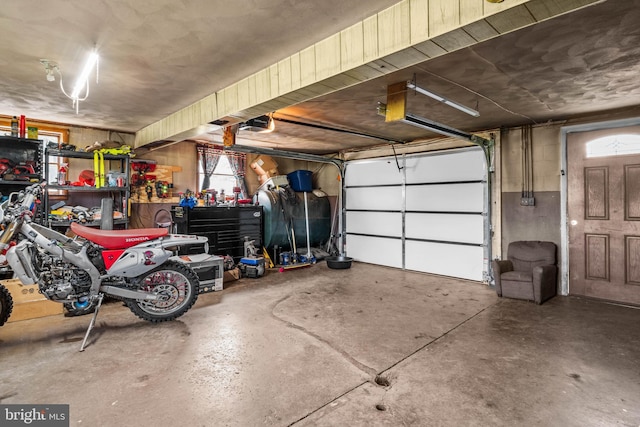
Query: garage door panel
448,260
428,217
373,172
378,223
461,166
446,198
370,198
445,227
375,250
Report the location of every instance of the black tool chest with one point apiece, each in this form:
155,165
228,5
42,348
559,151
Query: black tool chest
226,227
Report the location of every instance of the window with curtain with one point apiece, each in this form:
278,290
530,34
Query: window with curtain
221,170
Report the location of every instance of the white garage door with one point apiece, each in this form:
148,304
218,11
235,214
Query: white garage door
422,212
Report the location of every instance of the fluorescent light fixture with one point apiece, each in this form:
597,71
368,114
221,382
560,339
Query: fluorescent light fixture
82,83
83,80
433,126
427,124
440,98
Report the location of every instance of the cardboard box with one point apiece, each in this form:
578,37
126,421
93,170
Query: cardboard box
274,181
231,275
28,302
267,164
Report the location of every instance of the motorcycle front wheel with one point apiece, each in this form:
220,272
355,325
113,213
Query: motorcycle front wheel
175,284
6,304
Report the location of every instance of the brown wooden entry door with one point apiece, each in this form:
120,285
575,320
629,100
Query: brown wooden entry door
604,221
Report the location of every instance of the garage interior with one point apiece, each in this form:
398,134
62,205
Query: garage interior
422,195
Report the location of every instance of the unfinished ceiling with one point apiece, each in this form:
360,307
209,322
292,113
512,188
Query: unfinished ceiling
160,56
577,64
156,56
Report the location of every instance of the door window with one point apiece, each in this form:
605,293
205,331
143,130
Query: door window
614,145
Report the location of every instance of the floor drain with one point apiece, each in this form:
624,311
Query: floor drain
381,407
382,381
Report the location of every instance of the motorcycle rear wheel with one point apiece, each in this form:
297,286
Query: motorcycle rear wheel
178,286
6,304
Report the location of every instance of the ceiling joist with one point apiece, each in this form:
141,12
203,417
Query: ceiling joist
384,42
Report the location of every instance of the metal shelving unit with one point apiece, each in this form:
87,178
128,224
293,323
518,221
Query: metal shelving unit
23,154
84,195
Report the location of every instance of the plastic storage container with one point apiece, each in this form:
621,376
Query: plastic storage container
300,180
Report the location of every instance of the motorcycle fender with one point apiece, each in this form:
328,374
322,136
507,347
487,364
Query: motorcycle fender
175,240
136,261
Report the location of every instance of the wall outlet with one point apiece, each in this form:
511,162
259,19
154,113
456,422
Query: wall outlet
527,201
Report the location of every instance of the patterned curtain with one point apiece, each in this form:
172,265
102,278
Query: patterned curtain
209,158
238,163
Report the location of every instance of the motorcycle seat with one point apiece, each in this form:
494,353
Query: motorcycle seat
118,239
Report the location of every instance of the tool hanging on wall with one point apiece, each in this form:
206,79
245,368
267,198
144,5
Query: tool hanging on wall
142,167
162,189
149,190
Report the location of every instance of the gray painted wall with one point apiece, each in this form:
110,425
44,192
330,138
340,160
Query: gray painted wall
539,222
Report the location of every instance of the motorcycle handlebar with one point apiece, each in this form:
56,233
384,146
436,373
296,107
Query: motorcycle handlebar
17,209
23,200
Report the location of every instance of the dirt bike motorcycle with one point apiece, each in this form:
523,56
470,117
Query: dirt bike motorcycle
137,266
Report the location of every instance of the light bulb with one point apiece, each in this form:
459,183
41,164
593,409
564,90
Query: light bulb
84,75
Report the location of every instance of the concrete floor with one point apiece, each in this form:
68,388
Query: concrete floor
304,348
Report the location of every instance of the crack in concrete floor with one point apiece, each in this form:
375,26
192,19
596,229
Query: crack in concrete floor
366,369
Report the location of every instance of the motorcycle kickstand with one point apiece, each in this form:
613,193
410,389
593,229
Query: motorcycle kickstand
93,321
